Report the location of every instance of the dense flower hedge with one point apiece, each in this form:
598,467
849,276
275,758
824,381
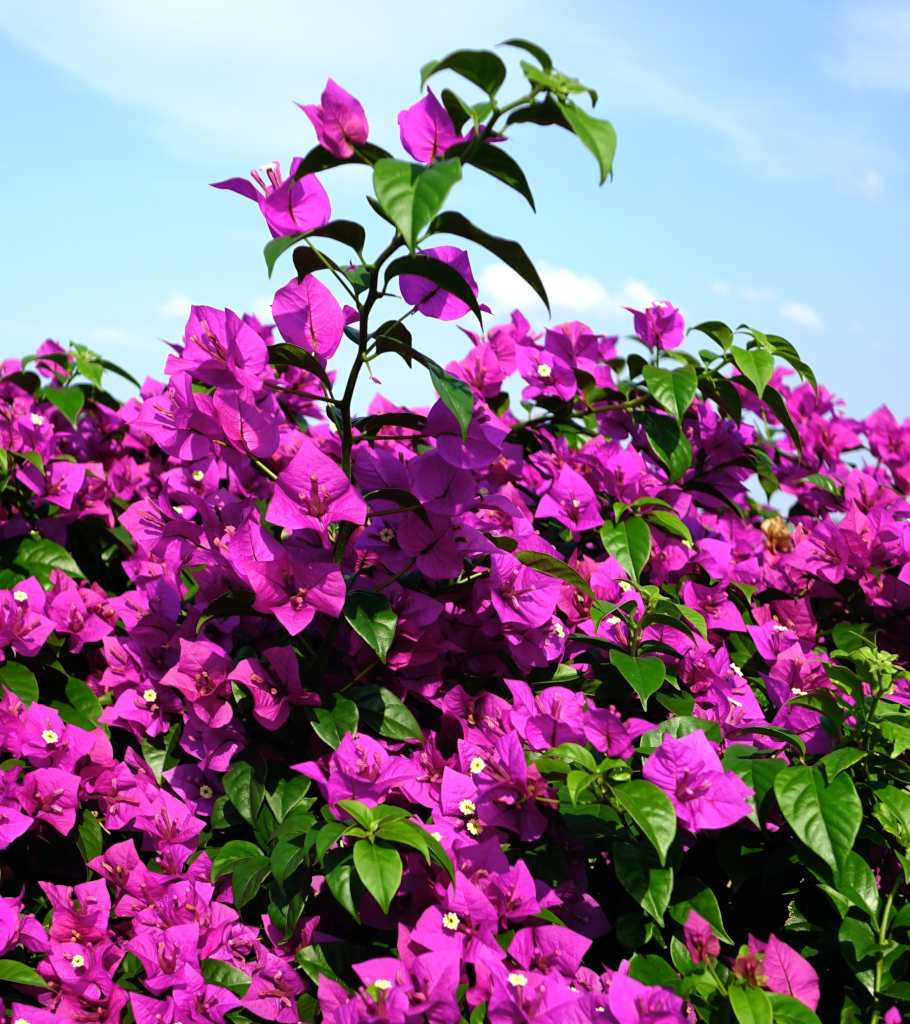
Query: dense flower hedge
496,710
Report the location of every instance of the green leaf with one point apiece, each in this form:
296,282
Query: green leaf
670,523
20,974
857,882
217,972
68,400
90,840
840,760
644,675
699,897
332,726
755,364
285,859
511,253
277,246
289,794
750,1005
648,884
496,162
599,136
83,700
19,680
779,407
537,52
672,389
230,855
442,274
480,67
38,555
244,792
716,331
381,711
456,396
319,159
379,868
540,561
788,1010
825,817
286,354
89,365
629,542
650,809
412,194
668,442
373,619
340,882
247,878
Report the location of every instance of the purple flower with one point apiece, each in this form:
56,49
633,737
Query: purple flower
312,491
429,298
785,971
631,1002
339,120
289,206
572,502
659,326
701,942
427,130
308,314
689,771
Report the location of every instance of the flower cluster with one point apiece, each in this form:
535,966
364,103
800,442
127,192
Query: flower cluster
523,712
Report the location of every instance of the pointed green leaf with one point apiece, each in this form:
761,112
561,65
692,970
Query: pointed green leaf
68,400
412,194
480,67
37,556
673,389
218,972
650,809
599,136
537,52
750,1005
495,161
629,542
668,442
20,974
379,868
456,396
644,675
19,680
555,567
372,618
825,817
755,364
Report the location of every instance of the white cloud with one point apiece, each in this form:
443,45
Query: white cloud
177,306
570,293
746,293
802,314
223,75
872,183
874,45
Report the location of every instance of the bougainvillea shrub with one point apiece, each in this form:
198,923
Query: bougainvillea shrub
576,696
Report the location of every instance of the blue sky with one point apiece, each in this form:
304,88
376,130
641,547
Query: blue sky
761,175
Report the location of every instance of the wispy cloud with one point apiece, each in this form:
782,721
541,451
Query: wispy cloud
200,74
177,306
874,45
570,293
801,313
